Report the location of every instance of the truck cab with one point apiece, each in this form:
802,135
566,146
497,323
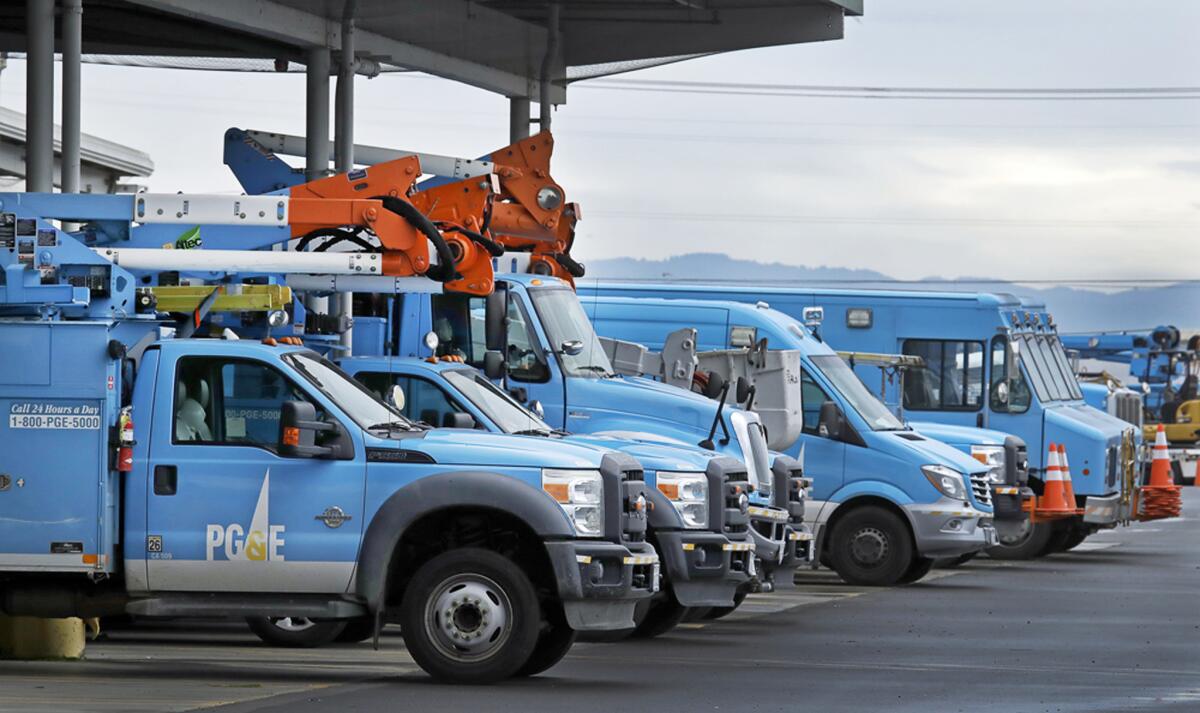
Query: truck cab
699,519
864,462
992,362
551,360
263,481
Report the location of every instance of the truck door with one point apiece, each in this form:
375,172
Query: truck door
949,389
824,458
225,512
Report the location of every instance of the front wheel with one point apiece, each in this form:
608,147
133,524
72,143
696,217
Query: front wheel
658,617
553,644
295,632
721,612
1027,544
871,547
955,562
470,616
920,567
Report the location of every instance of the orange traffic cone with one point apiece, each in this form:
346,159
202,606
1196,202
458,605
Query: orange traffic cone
1068,486
1196,477
1160,467
1054,497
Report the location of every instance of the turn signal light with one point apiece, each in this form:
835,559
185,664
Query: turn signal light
291,436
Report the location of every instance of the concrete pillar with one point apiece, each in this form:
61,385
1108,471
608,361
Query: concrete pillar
343,142
31,638
316,114
39,96
72,51
316,136
518,119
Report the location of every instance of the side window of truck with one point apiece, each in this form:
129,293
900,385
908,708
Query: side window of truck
458,320
952,379
423,399
1007,395
812,396
230,402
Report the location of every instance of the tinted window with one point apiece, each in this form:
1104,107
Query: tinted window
1015,392
952,378
233,402
812,396
459,322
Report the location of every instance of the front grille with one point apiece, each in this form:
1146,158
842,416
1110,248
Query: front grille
981,488
1127,406
771,530
633,521
1112,461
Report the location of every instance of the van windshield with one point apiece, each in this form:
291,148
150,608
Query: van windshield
847,383
509,415
567,324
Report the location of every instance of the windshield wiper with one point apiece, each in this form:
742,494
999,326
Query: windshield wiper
532,432
390,425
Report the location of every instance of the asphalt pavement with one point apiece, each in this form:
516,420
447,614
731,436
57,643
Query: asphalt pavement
1112,626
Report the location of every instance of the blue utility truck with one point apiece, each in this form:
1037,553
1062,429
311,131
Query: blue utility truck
532,336
887,500
151,473
699,514
990,361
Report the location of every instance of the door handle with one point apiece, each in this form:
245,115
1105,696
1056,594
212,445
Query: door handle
166,479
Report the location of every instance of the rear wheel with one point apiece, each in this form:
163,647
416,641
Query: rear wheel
553,644
1075,538
1027,544
871,546
720,612
920,567
470,616
295,632
953,562
660,616
357,631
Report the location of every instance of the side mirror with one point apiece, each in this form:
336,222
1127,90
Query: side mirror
571,347
536,407
494,317
395,397
493,365
1002,393
458,420
298,427
742,390
716,382
832,424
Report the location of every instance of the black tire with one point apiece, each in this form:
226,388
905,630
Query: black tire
357,631
871,547
1030,545
1075,538
955,562
294,632
662,615
720,612
553,644
920,567
470,616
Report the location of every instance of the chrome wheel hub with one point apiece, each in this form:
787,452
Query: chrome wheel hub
869,547
293,623
468,617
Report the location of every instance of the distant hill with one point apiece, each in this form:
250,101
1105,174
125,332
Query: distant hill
1075,310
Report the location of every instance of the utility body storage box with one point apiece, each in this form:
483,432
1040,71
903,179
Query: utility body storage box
59,400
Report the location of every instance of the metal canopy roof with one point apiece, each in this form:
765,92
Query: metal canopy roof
104,162
497,45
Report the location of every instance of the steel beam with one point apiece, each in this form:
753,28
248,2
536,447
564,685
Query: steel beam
518,119
280,23
39,96
72,131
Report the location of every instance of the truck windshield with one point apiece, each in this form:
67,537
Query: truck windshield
352,397
509,415
847,383
567,324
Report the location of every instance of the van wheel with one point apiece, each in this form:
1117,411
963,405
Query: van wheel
955,562
294,632
660,616
357,631
1028,544
721,612
871,547
555,641
920,567
470,616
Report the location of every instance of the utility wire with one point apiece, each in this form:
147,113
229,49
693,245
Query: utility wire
894,220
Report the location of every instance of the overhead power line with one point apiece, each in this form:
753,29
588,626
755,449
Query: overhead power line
835,91
894,220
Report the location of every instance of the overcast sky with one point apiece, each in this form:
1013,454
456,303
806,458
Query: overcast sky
1076,189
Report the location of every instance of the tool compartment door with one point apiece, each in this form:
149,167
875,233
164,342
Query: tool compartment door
54,481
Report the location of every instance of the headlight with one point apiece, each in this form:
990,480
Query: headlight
993,458
688,492
948,481
580,493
